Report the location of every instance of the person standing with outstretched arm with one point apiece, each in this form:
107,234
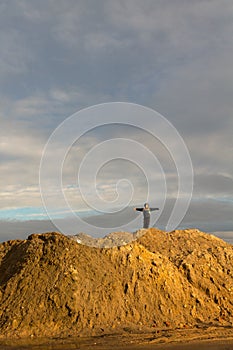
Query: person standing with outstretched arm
146,214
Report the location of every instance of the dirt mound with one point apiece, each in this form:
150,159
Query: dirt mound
52,286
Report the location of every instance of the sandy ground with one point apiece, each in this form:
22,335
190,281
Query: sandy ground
191,339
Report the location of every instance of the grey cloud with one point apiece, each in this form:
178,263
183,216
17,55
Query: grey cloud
126,49
15,57
210,214
21,230
214,218
213,185
58,57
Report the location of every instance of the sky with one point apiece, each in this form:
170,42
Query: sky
58,57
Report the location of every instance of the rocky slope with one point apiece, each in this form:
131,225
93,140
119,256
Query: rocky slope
52,286
111,240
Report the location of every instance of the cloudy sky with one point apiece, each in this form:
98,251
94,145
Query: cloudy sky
60,56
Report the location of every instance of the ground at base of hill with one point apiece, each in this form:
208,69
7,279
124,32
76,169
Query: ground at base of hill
208,338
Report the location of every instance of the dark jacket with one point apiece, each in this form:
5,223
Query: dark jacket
146,215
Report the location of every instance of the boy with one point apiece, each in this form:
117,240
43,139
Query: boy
146,214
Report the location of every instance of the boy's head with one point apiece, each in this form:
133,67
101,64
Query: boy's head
146,205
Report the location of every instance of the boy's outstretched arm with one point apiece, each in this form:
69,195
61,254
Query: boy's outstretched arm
138,209
152,209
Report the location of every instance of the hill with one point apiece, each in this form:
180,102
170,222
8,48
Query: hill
51,285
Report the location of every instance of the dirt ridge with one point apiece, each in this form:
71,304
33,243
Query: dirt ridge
52,286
